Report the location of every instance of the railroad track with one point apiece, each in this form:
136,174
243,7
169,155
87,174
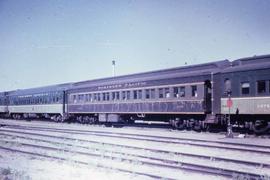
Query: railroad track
77,161
183,165
262,149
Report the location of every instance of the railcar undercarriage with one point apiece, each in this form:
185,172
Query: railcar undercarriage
257,124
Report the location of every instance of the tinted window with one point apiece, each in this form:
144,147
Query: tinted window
124,95
117,95
103,96
113,96
245,87
152,94
147,94
161,93
107,96
95,97
135,94
194,91
261,86
175,92
167,92
179,92
227,85
128,94
139,94
182,92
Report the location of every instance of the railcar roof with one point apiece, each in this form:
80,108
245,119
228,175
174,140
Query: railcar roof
185,71
53,88
250,63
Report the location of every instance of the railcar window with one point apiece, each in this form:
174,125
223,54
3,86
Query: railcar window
44,100
182,91
135,94
124,95
261,87
152,94
107,96
245,87
128,95
147,94
98,96
95,97
80,97
115,96
90,97
60,98
139,94
161,93
167,92
194,92
227,85
176,92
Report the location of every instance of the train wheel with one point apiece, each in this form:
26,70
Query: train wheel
60,118
260,127
197,126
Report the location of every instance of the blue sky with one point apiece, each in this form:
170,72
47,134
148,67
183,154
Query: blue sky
56,41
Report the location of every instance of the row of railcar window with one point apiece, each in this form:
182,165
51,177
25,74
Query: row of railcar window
138,94
2,101
43,98
262,87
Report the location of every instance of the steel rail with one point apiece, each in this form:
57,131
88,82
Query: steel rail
144,135
245,162
183,166
137,137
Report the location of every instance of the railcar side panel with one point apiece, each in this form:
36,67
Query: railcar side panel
248,105
42,108
247,96
177,107
3,109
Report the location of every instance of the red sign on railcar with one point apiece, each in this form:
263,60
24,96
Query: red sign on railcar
229,103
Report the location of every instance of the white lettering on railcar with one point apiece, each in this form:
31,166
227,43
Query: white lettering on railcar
126,85
263,106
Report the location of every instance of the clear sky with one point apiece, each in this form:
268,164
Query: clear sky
58,41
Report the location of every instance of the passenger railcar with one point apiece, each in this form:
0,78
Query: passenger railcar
247,82
48,102
172,94
3,104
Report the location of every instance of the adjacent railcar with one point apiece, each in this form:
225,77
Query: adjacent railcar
3,104
48,102
177,93
247,82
